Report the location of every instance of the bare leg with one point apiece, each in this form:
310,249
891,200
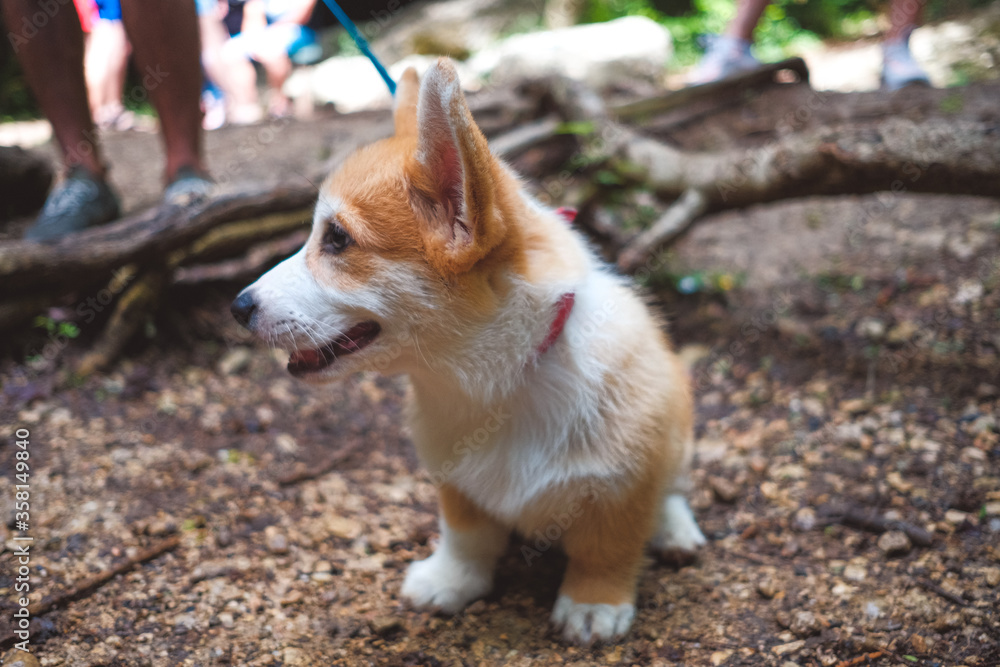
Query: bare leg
241,90
52,61
748,13
104,64
278,67
904,16
164,36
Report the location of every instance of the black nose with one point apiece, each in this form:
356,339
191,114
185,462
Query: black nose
243,308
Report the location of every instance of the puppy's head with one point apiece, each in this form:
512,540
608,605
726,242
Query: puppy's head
405,237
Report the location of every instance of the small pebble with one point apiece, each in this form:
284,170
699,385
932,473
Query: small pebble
804,520
894,543
20,659
992,576
277,543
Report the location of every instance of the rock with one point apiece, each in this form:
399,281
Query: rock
599,54
918,643
790,647
992,509
768,587
20,659
724,490
805,623
855,572
894,543
226,620
804,520
286,443
992,576
948,622
275,540
342,527
385,625
902,332
956,517
871,328
235,360
294,656
851,432
719,657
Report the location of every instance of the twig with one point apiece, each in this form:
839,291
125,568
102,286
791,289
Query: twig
512,143
947,595
726,90
873,523
135,304
671,224
91,584
304,475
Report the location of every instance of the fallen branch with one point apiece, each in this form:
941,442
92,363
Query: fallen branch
303,474
670,225
89,585
857,517
143,239
937,590
252,264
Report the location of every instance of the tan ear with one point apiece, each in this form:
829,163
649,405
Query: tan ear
453,179
405,103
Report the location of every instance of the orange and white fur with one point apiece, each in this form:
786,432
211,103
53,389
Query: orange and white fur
427,257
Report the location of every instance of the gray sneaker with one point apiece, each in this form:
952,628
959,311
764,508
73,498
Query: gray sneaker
724,57
189,187
899,68
80,201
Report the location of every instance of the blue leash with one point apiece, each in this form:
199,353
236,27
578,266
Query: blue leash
359,39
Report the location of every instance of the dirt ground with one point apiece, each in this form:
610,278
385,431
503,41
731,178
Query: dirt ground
847,472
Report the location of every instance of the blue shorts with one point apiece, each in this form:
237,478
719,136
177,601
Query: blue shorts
110,10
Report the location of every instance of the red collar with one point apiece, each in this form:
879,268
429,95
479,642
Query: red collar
563,308
565,304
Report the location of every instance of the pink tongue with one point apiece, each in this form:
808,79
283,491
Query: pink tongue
308,357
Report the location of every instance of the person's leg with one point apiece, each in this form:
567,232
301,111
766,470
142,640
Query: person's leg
164,36
242,105
105,64
52,59
278,67
729,53
748,13
904,16
899,68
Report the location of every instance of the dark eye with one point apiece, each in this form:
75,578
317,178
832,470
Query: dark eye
335,239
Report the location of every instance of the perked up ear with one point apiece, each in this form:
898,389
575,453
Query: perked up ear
405,104
453,180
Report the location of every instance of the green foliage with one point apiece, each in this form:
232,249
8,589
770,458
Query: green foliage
66,329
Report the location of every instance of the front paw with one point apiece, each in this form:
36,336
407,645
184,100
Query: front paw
589,623
444,583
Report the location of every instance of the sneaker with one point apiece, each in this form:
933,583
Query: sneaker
189,187
80,201
899,69
724,57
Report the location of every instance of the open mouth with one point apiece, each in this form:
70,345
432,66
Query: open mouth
302,362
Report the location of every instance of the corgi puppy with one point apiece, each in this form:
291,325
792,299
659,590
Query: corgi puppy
546,398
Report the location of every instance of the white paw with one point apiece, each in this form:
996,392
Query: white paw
444,583
588,623
679,531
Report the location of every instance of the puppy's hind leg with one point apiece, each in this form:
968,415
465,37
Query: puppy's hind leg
461,568
678,536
